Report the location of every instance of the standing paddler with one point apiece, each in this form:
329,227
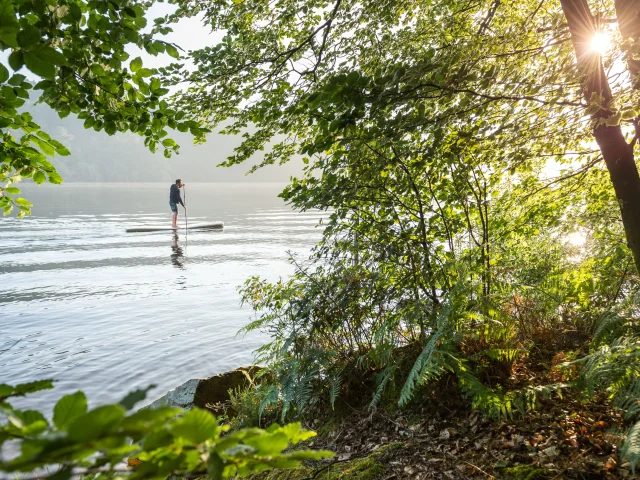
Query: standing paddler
174,200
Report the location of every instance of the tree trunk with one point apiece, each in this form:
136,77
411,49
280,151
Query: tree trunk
617,153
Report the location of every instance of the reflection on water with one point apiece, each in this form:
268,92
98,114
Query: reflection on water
95,308
176,256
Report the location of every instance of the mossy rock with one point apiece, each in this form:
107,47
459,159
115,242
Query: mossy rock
522,472
365,468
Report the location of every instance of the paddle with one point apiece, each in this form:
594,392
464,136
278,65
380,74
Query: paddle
186,220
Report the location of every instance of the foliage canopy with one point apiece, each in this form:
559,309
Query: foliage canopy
72,55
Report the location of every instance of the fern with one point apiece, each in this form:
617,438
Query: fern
615,368
382,380
631,448
335,383
424,368
271,398
606,326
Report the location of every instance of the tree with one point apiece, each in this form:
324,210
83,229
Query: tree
77,51
618,155
483,84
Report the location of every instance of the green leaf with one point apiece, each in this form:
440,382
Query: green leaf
42,61
28,37
134,397
196,426
60,148
54,178
24,202
32,387
96,423
168,142
269,443
44,146
76,13
39,66
16,79
16,60
71,406
144,72
4,73
5,390
136,64
9,26
173,51
215,466
12,190
51,55
39,177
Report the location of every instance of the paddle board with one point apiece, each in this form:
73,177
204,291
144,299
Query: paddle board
158,228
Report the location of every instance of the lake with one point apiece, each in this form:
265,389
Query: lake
105,311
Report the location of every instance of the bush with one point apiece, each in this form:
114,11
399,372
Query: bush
110,440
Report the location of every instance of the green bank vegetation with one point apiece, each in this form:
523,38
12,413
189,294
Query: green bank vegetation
477,165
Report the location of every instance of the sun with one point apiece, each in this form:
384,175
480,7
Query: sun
600,43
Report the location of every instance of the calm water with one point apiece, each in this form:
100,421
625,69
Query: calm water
96,308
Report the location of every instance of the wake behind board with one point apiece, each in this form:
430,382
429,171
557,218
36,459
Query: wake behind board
159,228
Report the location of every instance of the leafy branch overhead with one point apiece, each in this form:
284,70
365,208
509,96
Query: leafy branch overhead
154,443
72,56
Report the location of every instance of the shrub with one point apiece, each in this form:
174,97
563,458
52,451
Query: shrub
154,443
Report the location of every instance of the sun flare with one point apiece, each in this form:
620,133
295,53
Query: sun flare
600,43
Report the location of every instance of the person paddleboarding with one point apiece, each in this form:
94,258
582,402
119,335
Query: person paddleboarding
174,200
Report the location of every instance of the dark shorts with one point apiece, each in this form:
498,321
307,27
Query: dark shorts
174,206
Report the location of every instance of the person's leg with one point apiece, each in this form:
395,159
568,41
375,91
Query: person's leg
174,216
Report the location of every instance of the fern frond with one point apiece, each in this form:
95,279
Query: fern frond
271,398
335,383
631,448
606,326
382,380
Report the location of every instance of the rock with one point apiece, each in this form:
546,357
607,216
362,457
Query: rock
209,393
181,396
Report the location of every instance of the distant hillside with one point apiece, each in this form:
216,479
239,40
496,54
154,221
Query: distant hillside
96,156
